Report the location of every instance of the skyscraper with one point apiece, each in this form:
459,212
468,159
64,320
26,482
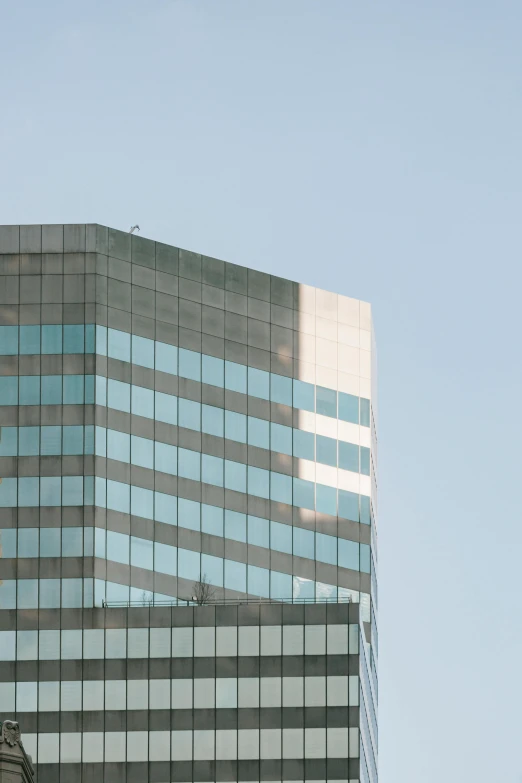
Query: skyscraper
187,515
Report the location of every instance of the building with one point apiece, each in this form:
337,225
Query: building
187,515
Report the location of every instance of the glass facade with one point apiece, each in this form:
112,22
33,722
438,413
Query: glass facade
170,421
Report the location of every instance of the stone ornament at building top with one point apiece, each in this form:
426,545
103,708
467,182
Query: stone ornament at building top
10,732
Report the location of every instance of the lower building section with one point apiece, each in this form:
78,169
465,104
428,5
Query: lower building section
239,692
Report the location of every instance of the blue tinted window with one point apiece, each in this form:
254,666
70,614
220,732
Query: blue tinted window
165,558
118,547
118,445
235,526
365,412
212,570
119,345
8,542
213,371
8,441
166,408
349,456
89,389
326,449
235,377
258,482
99,542
304,396
142,502
72,542
326,401
9,390
50,542
349,505
29,441
281,537
142,553
212,420
8,340
281,389
212,470
118,496
167,358
101,340
258,581
89,439
28,491
365,510
365,460
166,458
142,452
189,414
89,338
28,542
73,338
51,440
27,597
189,464
51,390
142,401
190,364
72,491
52,338
235,576
118,395
101,390
304,543
303,588
165,508
29,390
349,407
143,351
259,383
189,564
304,445
50,593
326,548
280,488
280,585
235,426
29,339
258,433
235,476
258,531
348,554
281,438
8,489
303,493
326,499
50,491
73,440
211,520
73,388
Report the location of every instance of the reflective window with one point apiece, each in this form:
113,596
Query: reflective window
303,541
212,420
326,450
258,433
142,402
167,358
236,377
28,542
235,476
303,493
166,458
281,537
189,514
119,344
304,445
73,389
51,338
326,499
142,502
189,414
118,445
73,440
143,351
304,395
258,383
259,581
72,541
165,508
281,438
189,464
236,426
51,390
28,441
213,371
9,390
9,340
189,364
326,401
280,585
235,526
281,389
118,395
349,505
211,520
348,554
29,339
326,548
349,456
235,576
165,558
365,460
365,412
258,482
142,553
166,408
281,488
73,338
29,390
212,470
349,407
258,531
142,452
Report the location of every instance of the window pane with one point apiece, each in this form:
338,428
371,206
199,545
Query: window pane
235,476
50,491
213,371
235,426
142,502
235,525
165,508
9,340
304,395
281,537
304,444
50,593
119,345
73,338
28,542
29,390
117,547
51,440
28,491
349,505
236,377
280,585
212,420
326,449
73,388
258,482
118,445
365,460
326,548
189,414
142,554
166,458
189,514
143,351
29,339
9,390
118,496
211,520
118,395
280,488
258,531
349,407
258,433
167,358
365,412
235,576
28,441
189,464
165,558
142,401
303,542
281,389
326,401
166,408
190,364
326,499
281,438
259,383
142,452
348,554
212,470
51,389
72,541
52,338
349,456
50,542
258,581
73,440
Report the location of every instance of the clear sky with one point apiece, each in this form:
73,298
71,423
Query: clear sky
372,148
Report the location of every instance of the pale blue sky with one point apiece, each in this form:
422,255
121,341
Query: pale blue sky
372,149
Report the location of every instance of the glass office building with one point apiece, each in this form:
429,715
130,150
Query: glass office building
188,532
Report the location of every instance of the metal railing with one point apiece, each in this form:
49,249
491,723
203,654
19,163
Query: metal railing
224,602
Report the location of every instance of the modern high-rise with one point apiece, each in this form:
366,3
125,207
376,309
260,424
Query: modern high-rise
187,516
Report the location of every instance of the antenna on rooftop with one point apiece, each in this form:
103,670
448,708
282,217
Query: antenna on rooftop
134,228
